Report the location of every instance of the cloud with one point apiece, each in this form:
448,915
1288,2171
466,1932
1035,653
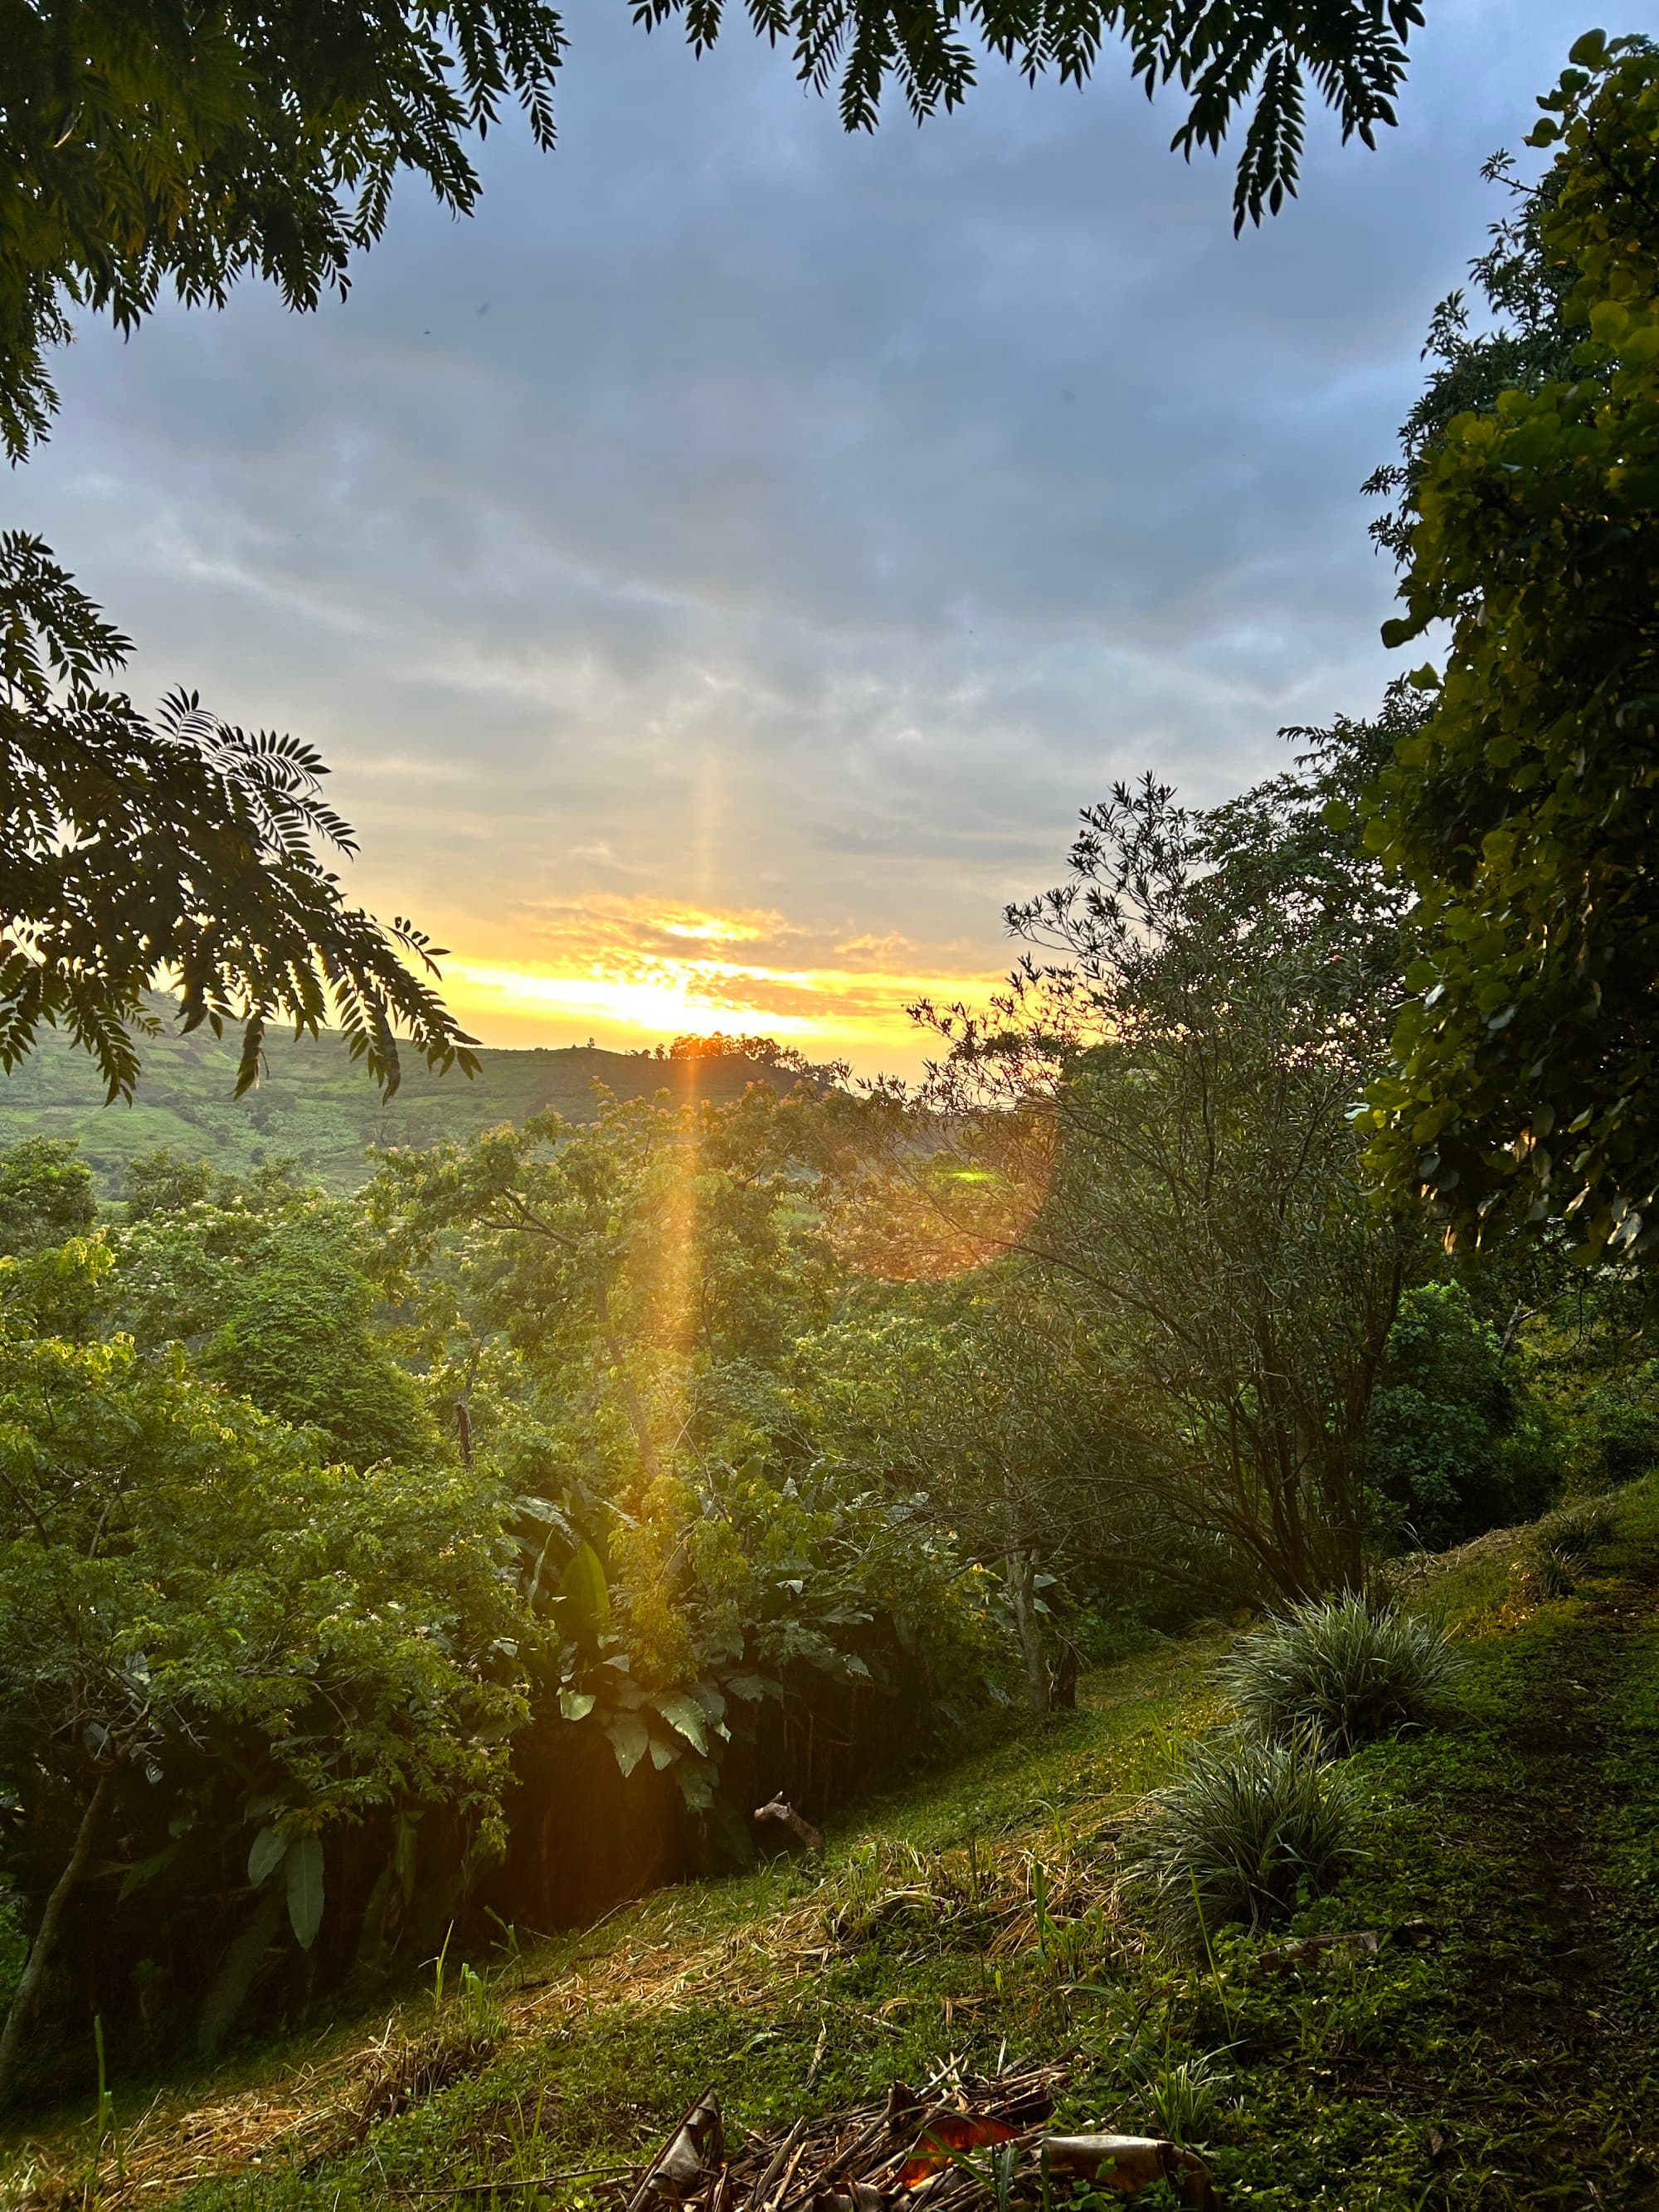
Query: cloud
810,525
631,971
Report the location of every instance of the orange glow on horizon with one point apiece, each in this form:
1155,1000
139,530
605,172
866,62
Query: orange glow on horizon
635,973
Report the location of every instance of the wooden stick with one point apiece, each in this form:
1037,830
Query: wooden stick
482,2188
758,2195
779,1810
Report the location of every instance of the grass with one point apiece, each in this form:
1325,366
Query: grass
1495,2050
1342,1671
1246,1832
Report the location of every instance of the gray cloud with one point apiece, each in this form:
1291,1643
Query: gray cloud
737,511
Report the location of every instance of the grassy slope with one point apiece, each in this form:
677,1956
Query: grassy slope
314,1104
1504,2056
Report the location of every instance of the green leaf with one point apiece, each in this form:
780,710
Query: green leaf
576,1705
305,1889
696,1785
682,1714
224,2000
270,1849
628,1740
1589,52
146,1870
752,1687
585,1590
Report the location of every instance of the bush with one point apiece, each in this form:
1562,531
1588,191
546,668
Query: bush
1341,1671
1248,1831
1455,1443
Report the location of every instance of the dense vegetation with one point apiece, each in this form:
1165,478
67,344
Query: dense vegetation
1495,2049
470,1548
312,1107
489,1540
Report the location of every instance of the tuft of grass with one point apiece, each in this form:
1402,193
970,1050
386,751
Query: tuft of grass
1185,2098
1343,1672
1246,1833
1583,1526
1548,1570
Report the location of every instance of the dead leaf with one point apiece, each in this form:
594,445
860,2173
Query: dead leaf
692,2153
904,2107
944,2137
1130,2164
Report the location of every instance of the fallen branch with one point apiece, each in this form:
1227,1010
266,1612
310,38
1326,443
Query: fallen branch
778,1809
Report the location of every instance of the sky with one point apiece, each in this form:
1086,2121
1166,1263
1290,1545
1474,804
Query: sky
718,571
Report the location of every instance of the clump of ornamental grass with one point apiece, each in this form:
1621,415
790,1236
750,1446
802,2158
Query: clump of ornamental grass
1554,1557
1186,2099
1583,1526
1247,1832
1343,1672
1544,1572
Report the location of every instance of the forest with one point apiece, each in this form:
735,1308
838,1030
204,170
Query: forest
479,1548
398,1572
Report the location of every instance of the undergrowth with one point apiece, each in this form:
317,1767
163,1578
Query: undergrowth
1487,2045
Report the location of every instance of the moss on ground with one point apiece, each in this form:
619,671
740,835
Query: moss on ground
1497,2050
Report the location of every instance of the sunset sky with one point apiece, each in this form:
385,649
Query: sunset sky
719,571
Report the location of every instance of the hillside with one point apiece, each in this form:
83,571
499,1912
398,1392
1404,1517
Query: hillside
318,1107
1488,2044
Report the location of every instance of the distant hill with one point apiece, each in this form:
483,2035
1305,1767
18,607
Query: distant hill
318,1107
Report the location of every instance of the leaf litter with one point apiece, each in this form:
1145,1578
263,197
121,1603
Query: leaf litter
967,2141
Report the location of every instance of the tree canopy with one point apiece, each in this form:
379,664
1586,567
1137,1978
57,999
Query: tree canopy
179,851
165,143
1523,813
168,142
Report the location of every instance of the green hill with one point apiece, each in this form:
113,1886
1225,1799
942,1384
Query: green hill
317,1106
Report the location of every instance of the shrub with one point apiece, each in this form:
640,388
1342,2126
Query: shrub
1341,1671
1455,1443
1248,1830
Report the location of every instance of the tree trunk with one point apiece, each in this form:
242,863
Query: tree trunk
1022,1576
46,1935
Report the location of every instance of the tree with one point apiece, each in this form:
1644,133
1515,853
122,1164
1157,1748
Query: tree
1522,813
262,1282
982,1395
1453,1445
1203,1013
179,851
629,1312
46,1195
222,1651
174,142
